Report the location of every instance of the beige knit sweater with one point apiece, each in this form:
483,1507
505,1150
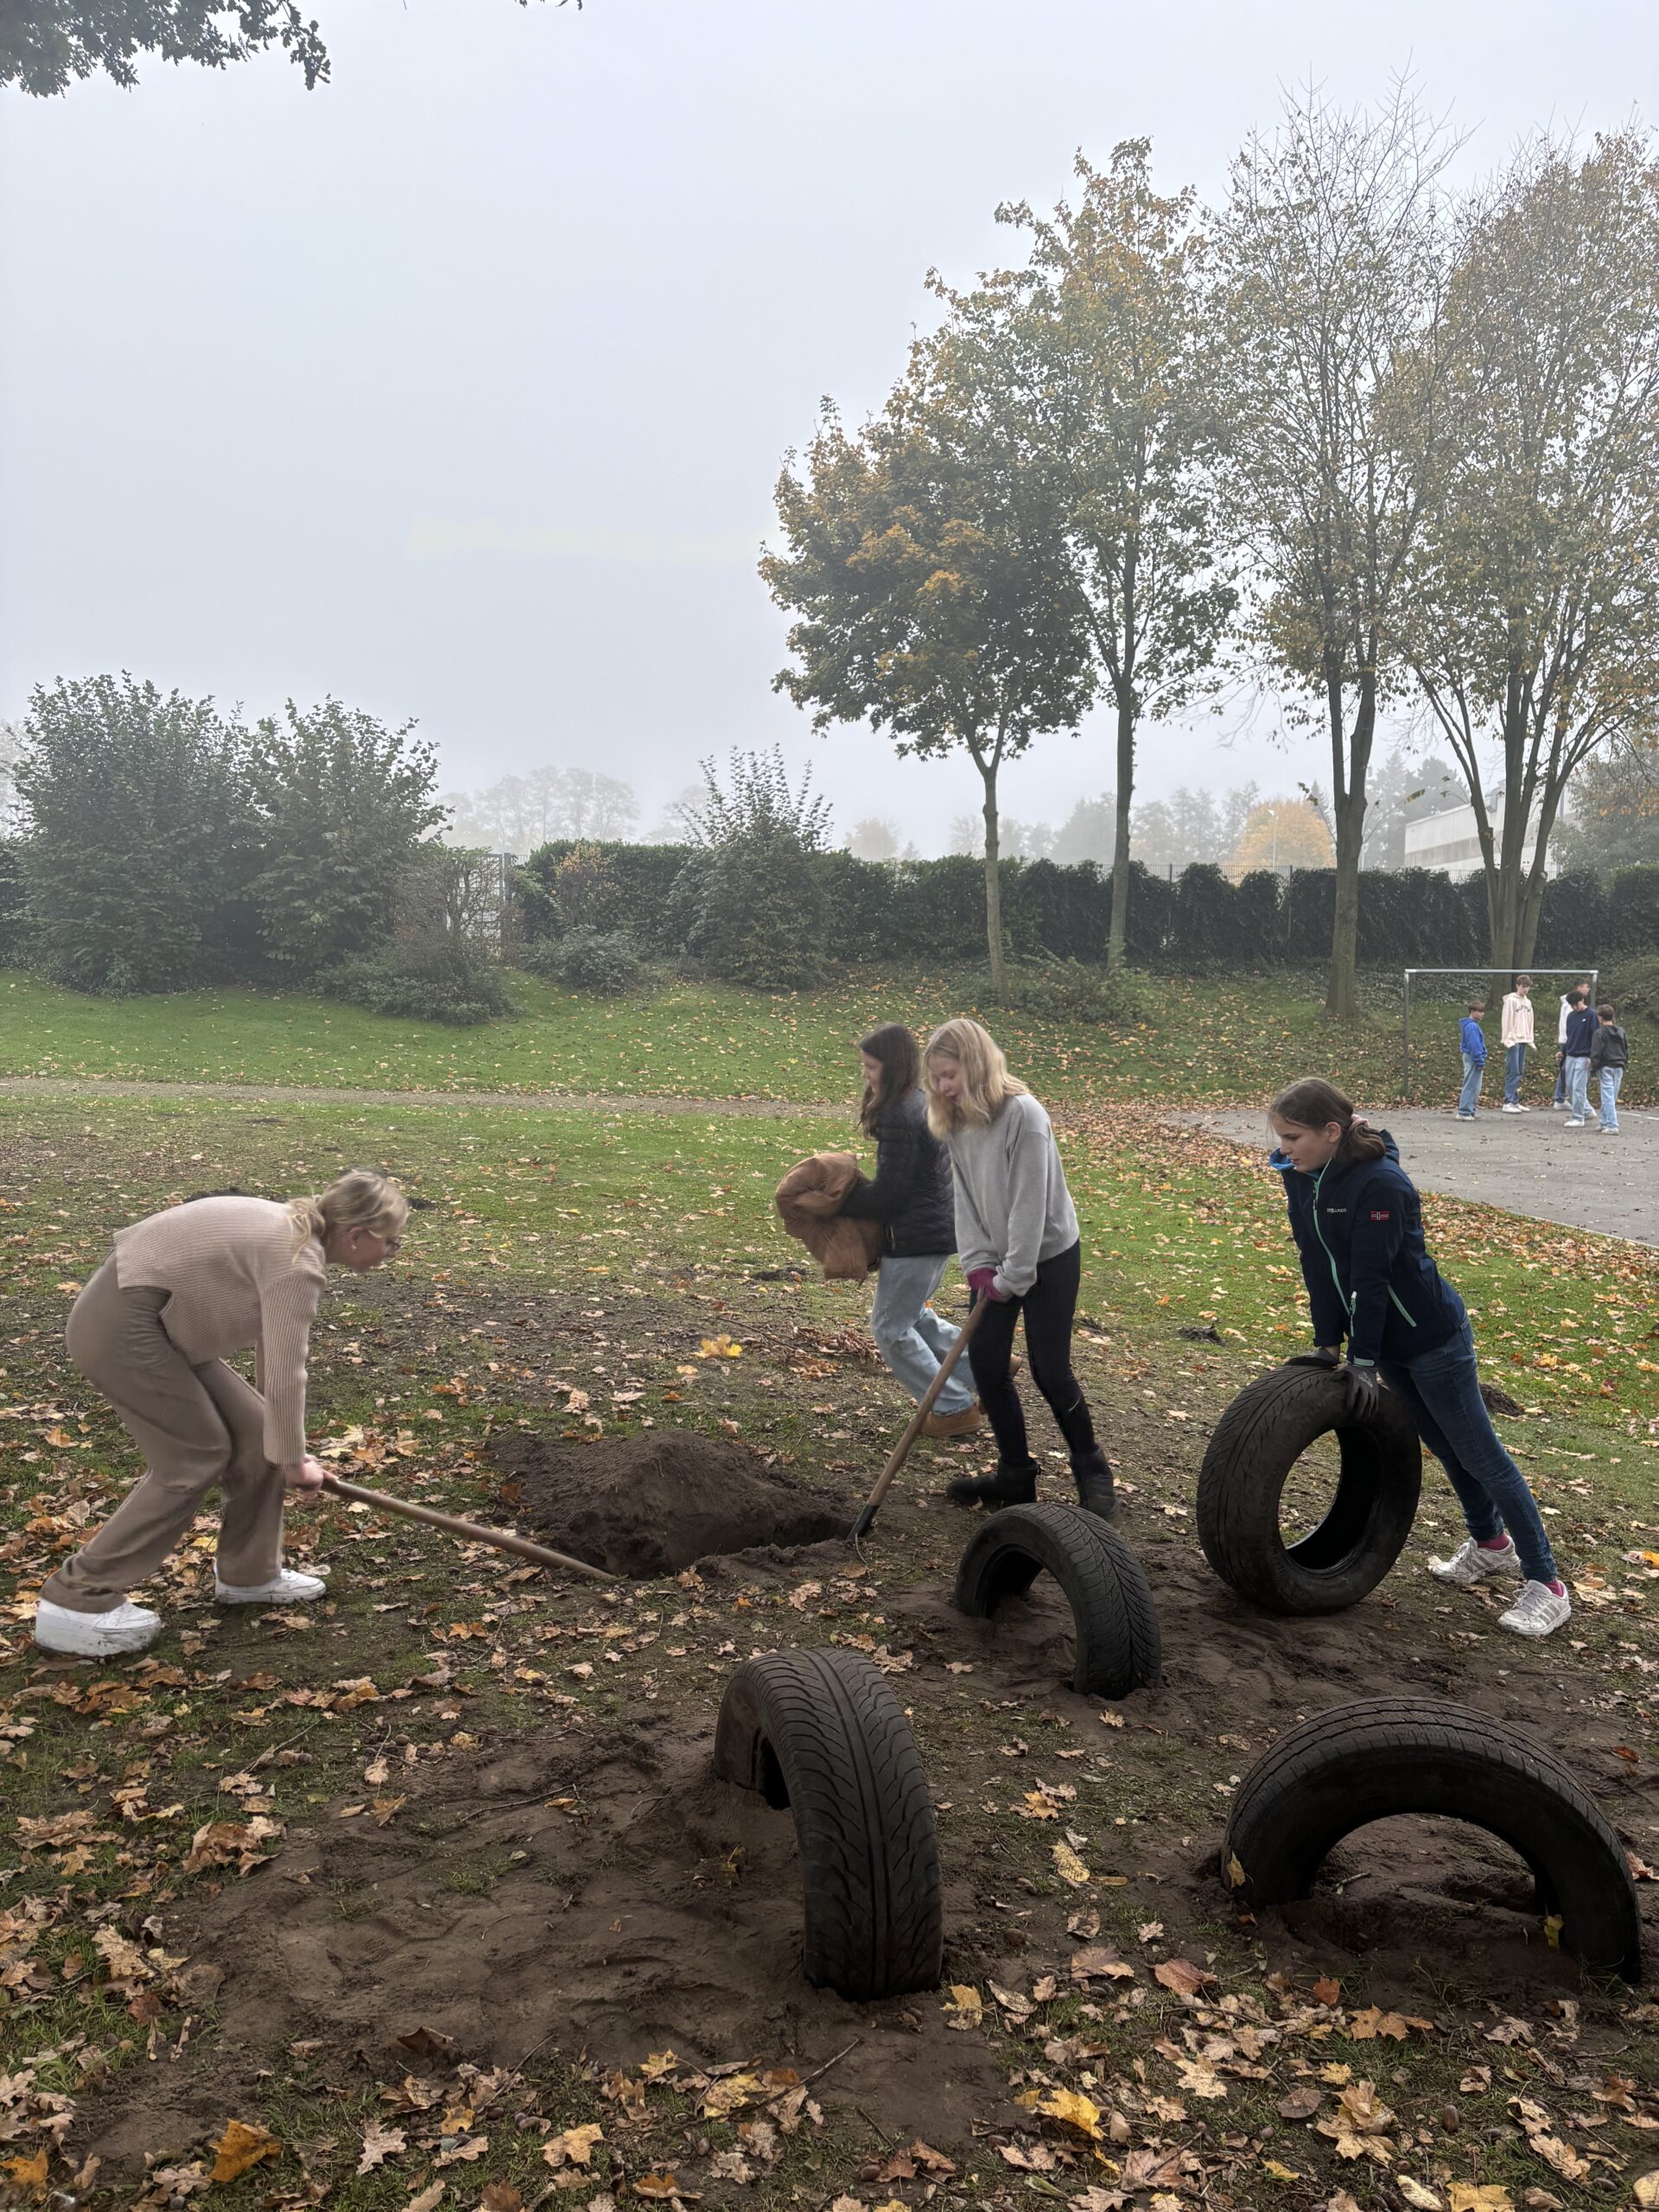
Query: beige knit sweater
236,1279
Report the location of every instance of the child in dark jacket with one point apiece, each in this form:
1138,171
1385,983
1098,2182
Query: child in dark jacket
1581,1024
914,1202
1358,1227
1609,1055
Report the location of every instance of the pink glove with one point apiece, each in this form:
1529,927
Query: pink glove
982,1281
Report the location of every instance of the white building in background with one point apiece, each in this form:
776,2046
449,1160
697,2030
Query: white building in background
1450,842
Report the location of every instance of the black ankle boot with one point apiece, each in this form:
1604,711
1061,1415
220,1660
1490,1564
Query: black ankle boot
1007,1486
1091,1472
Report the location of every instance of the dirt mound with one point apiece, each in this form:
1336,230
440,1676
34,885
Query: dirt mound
650,1505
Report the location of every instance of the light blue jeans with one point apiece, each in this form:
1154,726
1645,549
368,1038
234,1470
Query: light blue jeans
1474,1070
909,1334
1610,1079
1440,1389
1515,1066
1578,1086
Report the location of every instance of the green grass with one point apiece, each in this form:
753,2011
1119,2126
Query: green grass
1223,1038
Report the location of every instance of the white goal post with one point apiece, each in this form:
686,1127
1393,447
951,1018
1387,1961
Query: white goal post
1509,973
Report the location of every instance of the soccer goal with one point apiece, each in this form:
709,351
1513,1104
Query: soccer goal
1507,974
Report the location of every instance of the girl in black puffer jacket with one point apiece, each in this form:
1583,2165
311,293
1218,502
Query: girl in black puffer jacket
913,1199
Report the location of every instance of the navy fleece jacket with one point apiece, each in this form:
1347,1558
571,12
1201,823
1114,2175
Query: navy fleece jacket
1358,1228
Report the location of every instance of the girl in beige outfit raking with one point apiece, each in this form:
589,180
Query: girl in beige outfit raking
182,1291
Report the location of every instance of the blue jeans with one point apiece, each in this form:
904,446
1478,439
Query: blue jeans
1515,1066
909,1334
1561,1076
1610,1079
1577,1087
1440,1390
1473,1070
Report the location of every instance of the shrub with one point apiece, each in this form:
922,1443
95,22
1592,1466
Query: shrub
598,963
140,835
759,915
1633,987
1633,903
14,915
345,802
1066,991
1206,914
760,912
643,879
435,977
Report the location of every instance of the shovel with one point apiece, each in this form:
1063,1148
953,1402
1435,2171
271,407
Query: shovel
918,1420
503,1542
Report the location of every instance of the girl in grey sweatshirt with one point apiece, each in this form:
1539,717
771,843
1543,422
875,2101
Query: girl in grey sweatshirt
1018,1245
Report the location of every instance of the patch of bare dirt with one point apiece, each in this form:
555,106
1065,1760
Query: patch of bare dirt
649,1505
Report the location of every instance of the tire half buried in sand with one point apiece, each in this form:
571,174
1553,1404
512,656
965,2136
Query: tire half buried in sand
648,1505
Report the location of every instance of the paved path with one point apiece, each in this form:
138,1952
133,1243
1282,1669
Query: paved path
1528,1163
542,1102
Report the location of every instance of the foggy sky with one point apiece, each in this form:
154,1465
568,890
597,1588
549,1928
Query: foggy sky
458,387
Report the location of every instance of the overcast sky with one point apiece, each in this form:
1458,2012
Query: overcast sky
458,387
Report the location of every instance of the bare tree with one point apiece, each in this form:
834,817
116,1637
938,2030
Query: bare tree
1328,361
1535,598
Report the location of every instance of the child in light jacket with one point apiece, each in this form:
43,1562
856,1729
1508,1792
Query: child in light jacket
1519,1038
1018,1243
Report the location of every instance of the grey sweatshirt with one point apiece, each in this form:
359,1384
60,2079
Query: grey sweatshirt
1013,1208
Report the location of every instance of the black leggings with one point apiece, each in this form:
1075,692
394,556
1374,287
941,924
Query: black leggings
1048,1308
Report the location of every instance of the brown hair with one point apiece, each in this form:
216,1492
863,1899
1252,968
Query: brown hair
1311,1104
986,1083
1604,1014
896,1046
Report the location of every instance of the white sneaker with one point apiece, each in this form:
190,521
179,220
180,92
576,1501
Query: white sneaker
286,1587
1575,1125
1513,1110
1537,1611
1471,1564
126,1627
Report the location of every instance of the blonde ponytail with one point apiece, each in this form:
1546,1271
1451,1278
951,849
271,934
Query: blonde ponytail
361,1198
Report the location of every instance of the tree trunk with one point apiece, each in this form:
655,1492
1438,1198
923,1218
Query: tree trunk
1117,947
1348,762
994,886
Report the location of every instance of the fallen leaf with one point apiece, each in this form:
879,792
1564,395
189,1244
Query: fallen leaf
28,2173
241,2147
1301,2103
966,2005
380,2143
1488,2196
428,2201
500,2197
1325,1990
1423,2199
1646,2189
1182,1976
573,2147
1072,2110
661,2186
1069,1866
1097,1960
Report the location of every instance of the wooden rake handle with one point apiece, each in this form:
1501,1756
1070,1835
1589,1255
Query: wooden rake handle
383,1503
917,1422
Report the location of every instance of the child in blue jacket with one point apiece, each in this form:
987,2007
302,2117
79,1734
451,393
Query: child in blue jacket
1358,1226
1471,1039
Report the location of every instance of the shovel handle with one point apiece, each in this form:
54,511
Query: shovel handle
917,1422
383,1503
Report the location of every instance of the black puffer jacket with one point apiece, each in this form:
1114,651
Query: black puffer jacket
911,1196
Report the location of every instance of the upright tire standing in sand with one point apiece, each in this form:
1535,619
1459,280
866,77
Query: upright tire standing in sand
1117,1641
1389,1756
1257,1443
822,1733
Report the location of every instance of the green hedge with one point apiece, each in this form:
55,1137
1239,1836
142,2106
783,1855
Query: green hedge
924,912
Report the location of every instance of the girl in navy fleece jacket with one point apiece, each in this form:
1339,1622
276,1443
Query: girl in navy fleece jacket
1358,1227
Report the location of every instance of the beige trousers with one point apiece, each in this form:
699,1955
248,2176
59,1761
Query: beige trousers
195,1426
